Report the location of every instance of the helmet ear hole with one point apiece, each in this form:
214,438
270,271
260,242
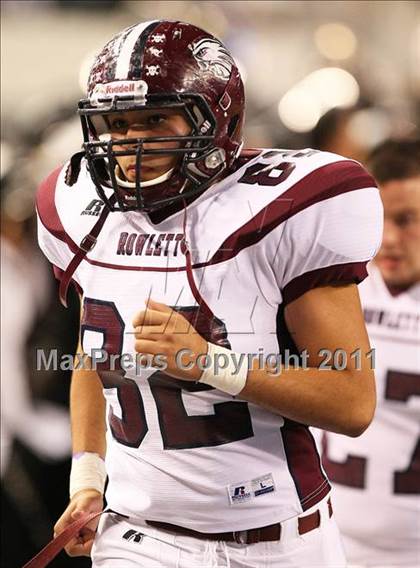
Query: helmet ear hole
232,125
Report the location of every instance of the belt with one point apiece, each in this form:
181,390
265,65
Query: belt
251,536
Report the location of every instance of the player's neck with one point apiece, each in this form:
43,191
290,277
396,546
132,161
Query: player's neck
396,290
162,214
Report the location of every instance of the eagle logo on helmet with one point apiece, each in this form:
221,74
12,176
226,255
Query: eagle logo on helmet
212,55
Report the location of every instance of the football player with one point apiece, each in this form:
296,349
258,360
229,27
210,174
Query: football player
206,261
377,476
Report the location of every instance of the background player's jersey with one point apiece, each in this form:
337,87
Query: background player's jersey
377,476
281,224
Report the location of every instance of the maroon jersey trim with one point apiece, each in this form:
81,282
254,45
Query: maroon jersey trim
304,464
348,272
325,182
47,211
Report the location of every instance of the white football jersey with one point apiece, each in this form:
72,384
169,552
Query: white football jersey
377,476
281,224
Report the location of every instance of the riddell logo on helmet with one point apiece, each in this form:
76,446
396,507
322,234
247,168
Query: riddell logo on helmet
125,89
120,88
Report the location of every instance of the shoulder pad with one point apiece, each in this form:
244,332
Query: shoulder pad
45,204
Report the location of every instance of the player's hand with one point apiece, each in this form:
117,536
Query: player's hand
160,330
86,501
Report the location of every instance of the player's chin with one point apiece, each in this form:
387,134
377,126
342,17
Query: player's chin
146,174
391,269
401,279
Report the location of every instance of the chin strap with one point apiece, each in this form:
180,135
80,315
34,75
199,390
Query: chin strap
150,183
73,169
85,246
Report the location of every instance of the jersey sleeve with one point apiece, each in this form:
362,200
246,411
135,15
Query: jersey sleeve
333,235
53,240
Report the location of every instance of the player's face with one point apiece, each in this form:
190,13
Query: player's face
143,124
399,256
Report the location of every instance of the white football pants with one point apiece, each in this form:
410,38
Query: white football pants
121,543
366,555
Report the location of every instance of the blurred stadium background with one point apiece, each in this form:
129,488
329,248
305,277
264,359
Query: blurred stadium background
335,75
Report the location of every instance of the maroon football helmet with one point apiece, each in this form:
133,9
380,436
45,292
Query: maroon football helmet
163,64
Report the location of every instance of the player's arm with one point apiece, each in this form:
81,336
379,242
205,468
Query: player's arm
326,318
87,405
87,408
320,248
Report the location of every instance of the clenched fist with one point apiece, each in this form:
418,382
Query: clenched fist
160,330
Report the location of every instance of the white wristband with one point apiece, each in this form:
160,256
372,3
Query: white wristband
87,472
225,377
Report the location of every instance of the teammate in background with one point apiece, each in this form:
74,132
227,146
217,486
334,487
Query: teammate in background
217,251
335,132
377,476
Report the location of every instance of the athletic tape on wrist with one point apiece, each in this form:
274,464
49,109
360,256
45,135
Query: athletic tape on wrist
228,379
87,472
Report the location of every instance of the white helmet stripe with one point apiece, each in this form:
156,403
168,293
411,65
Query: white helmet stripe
123,62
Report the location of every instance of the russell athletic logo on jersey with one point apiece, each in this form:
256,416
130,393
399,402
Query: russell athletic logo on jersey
240,493
94,208
153,244
247,490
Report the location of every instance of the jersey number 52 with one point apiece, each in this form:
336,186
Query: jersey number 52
230,421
